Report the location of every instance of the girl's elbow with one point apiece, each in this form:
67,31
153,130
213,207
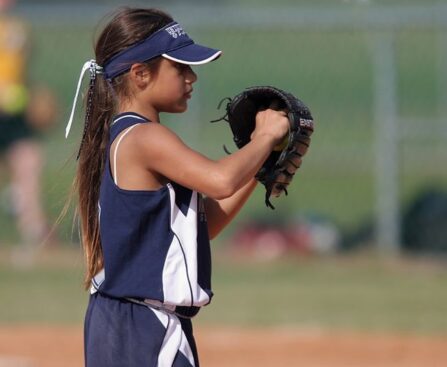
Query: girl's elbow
223,188
221,193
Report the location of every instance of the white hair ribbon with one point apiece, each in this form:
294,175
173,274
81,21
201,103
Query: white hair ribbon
94,69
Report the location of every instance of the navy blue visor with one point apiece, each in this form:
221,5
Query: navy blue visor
171,42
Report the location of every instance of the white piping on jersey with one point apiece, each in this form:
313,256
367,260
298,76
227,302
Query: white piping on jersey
115,173
123,117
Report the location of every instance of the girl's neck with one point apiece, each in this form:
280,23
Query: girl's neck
147,111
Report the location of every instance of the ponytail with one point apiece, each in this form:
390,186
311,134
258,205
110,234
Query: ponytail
99,111
128,27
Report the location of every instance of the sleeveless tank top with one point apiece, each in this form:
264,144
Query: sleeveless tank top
155,243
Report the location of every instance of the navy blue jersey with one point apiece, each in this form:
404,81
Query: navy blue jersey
155,242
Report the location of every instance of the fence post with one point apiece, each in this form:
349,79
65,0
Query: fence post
387,224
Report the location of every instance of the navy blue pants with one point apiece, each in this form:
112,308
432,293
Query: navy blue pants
119,333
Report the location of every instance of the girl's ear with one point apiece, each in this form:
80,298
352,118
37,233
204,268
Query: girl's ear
140,75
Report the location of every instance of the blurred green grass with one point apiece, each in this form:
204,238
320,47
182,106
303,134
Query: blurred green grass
357,292
364,293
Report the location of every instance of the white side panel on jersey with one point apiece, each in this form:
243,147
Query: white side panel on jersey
180,269
176,288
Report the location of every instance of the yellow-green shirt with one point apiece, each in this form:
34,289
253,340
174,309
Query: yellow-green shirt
13,45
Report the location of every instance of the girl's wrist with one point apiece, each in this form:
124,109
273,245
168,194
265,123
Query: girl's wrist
268,138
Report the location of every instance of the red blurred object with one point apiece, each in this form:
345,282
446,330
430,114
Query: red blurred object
269,241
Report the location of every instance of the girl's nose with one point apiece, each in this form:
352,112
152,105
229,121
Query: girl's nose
191,76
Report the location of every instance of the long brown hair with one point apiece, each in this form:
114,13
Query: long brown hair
127,27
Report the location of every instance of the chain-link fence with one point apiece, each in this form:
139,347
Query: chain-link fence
373,75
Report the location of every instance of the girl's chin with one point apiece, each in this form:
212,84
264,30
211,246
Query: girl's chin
180,108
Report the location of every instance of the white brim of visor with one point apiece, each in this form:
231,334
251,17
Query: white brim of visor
200,62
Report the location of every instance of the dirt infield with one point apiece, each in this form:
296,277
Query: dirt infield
44,346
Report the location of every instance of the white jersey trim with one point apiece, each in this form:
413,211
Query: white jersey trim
125,116
123,134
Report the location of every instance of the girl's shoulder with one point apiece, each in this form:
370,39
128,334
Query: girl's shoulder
149,142
153,132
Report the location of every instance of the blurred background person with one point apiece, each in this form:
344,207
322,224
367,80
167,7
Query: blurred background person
25,113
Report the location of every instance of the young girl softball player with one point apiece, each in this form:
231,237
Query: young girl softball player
145,224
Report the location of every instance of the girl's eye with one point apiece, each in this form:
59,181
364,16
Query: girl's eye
180,67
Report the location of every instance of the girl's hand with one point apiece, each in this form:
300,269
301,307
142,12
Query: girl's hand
272,123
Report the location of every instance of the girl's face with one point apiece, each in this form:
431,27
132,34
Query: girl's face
171,86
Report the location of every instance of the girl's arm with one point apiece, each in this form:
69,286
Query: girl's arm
160,151
221,212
